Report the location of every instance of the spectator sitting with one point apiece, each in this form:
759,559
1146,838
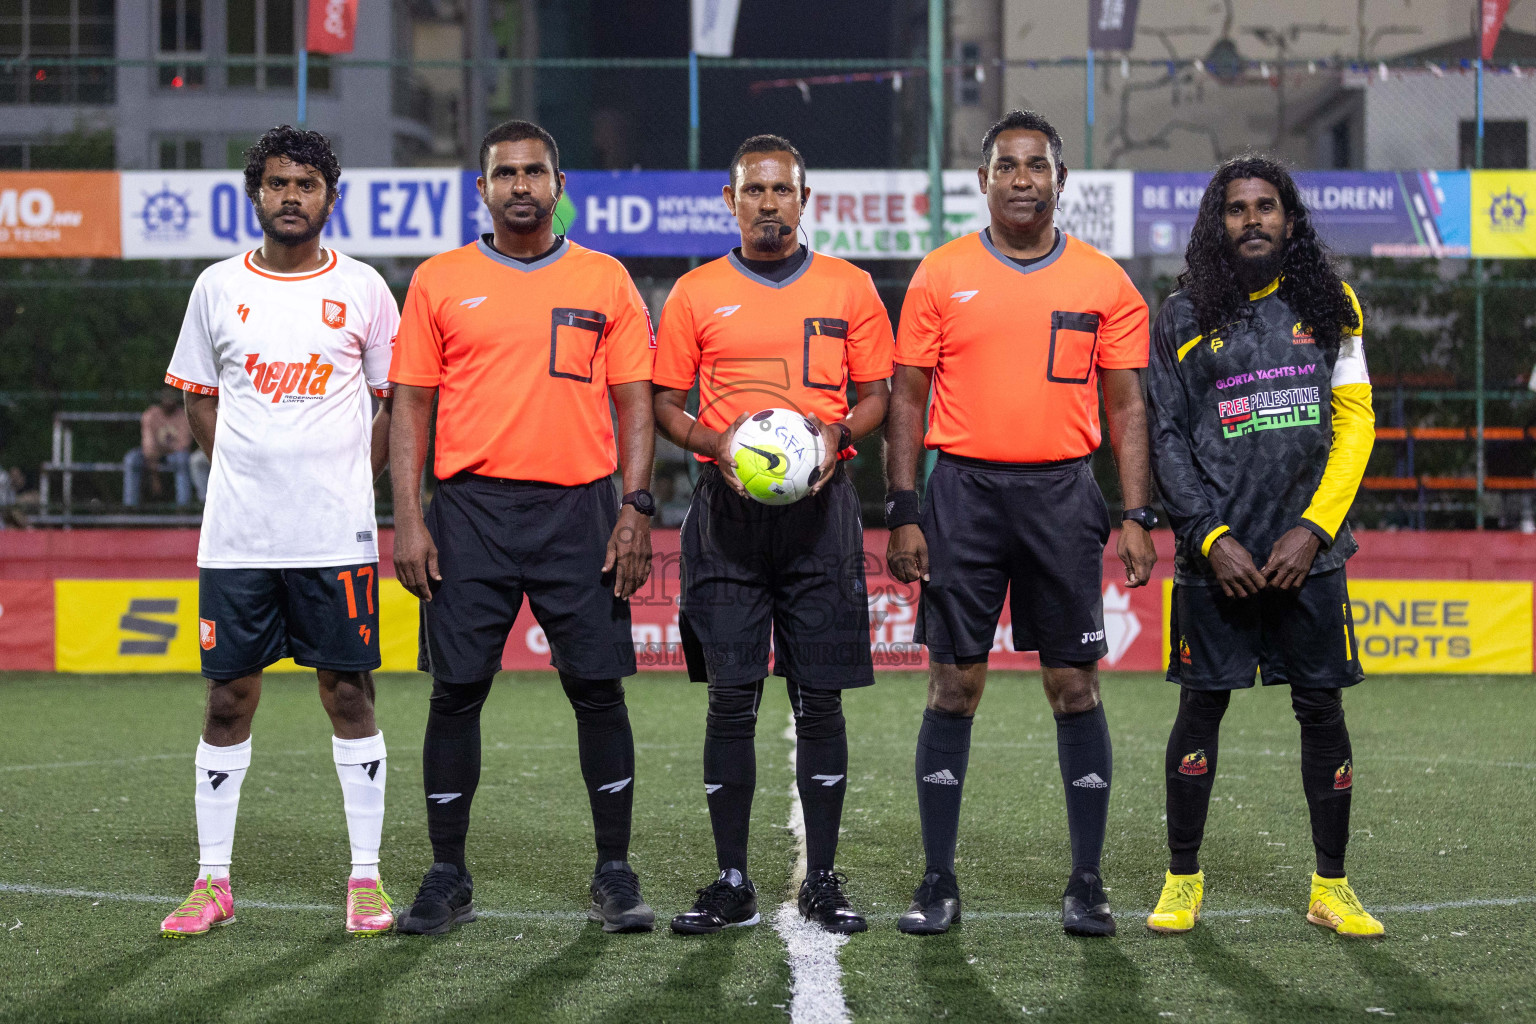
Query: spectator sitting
15,499
163,434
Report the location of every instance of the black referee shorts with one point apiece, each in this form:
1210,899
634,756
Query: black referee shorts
794,573
1305,637
500,539
1034,532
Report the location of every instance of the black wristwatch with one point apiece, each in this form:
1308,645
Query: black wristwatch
642,500
1143,517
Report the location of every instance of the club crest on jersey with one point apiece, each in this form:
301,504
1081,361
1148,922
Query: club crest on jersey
296,382
333,313
1193,764
1184,650
207,634
1344,776
1301,336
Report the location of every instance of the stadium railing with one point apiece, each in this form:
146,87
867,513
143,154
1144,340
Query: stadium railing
63,465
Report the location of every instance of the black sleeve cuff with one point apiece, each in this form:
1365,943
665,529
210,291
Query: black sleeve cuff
1321,534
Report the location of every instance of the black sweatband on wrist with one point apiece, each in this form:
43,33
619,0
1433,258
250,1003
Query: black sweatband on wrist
902,508
844,435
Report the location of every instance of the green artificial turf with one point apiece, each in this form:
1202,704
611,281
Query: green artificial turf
95,795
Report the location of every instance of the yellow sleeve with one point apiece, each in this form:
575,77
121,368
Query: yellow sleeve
1354,433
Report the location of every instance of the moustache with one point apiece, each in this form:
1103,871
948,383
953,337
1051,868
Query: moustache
1250,236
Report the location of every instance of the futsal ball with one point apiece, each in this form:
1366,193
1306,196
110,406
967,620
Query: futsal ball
778,455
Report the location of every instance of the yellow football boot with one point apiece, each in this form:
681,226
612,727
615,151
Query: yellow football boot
1179,906
1335,905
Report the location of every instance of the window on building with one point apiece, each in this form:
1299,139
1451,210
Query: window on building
77,151
40,30
1339,146
262,40
181,36
969,93
1506,144
176,153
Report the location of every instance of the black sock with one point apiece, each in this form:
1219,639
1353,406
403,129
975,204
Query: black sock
1082,748
821,770
607,750
730,769
450,765
943,751
1327,773
1189,768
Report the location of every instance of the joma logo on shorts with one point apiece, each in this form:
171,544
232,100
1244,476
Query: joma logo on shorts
279,379
1094,637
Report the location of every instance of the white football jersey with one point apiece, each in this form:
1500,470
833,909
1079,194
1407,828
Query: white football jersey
292,358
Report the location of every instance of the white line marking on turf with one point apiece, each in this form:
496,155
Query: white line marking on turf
139,897
117,762
815,977
788,909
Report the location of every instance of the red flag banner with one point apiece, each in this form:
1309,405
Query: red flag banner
332,26
1493,21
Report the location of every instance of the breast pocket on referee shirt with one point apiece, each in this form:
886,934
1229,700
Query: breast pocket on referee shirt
825,340
574,335
1074,342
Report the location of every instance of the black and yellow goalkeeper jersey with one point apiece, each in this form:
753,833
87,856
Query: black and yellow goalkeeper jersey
1256,429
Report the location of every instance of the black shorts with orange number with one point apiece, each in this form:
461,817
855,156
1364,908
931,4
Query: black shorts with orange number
498,540
321,618
1033,532
1305,638
794,573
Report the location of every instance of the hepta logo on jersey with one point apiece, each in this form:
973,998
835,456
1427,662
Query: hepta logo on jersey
333,313
297,382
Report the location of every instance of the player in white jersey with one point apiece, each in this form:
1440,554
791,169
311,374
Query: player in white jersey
277,354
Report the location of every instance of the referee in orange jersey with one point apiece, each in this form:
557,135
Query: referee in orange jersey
522,337
1014,329
773,325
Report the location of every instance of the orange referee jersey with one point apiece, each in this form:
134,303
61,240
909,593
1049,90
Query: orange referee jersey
1017,351
756,344
522,355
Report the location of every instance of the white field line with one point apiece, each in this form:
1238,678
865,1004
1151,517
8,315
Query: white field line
815,977
1436,761
1051,916
186,755
21,889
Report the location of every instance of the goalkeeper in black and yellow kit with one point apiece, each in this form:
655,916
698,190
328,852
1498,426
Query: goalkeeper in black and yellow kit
1261,428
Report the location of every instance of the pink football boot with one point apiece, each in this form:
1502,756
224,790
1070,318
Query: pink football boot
209,906
369,908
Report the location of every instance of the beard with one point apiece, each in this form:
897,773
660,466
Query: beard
541,214
310,230
1254,272
770,240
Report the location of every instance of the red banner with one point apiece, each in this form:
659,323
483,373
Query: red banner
1493,22
332,26
26,625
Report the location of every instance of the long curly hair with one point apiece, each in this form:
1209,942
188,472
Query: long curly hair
298,145
1308,282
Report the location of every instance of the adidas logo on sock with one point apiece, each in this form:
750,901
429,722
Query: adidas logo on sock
1091,781
942,777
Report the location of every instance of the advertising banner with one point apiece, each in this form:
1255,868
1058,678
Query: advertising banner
1432,626
1442,625
26,625
332,26
49,214
861,214
182,214
1357,213
1504,214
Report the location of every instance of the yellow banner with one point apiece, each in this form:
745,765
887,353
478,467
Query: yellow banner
1504,214
1442,625
1433,626
151,626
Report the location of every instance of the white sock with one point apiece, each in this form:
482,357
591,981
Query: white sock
362,769
220,771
